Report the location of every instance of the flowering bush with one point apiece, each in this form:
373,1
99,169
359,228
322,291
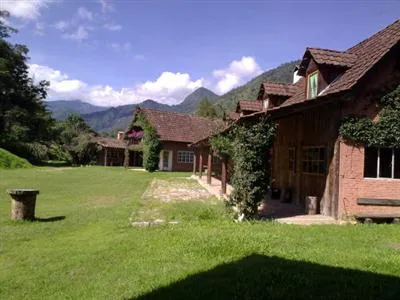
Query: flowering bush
137,135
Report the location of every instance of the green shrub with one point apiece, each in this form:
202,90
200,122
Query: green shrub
151,149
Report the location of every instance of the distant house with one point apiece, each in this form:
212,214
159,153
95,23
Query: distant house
309,157
112,152
176,131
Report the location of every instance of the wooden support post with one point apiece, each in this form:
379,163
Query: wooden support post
194,162
209,166
105,157
223,174
200,164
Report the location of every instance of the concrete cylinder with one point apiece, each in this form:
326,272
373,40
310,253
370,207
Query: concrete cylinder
23,202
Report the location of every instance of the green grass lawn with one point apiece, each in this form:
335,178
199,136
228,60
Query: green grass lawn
84,248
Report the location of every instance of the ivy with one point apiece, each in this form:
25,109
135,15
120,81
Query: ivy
151,145
362,131
248,145
222,144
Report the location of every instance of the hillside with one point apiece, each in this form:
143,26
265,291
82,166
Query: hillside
109,119
61,108
249,91
119,117
189,105
11,161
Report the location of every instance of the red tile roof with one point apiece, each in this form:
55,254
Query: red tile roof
177,127
332,57
279,89
111,142
250,105
367,54
233,115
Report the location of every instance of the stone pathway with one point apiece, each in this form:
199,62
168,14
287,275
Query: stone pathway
160,192
177,189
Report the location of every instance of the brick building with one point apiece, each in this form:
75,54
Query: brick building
309,157
176,131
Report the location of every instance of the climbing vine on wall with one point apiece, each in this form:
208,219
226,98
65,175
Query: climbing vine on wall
362,131
248,144
151,144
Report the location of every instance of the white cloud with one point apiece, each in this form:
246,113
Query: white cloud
112,27
61,25
60,84
84,13
125,47
106,5
139,57
24,9
237,73
80,34
39,28
169,88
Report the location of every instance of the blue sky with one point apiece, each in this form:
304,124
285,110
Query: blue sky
118,52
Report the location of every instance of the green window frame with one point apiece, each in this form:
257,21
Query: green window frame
312,85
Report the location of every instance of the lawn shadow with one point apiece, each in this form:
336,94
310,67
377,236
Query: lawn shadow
51,219
263,277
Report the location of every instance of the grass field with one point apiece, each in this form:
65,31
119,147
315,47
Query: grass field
83,247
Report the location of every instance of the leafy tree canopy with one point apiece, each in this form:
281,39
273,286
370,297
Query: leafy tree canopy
23,115
206,109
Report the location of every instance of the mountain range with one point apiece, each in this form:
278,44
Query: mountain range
110,119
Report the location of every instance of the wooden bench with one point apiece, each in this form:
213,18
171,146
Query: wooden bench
378,202
381,217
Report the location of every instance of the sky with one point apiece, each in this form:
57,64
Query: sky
116,52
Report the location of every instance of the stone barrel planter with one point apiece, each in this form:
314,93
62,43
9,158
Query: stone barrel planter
23,204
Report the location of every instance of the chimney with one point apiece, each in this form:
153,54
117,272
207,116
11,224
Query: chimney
295,76
120,135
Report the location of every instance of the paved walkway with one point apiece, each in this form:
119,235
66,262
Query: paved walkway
215,187
290,213
287,213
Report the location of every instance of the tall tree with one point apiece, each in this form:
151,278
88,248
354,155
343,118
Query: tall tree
206,109
78,138
23,115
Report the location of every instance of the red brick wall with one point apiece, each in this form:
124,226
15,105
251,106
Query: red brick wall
175,147
353,185
344,183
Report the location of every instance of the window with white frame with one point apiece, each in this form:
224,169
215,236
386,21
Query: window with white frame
185,157
381,163
314,160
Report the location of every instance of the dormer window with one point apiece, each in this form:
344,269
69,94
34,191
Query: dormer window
312,85
265,103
